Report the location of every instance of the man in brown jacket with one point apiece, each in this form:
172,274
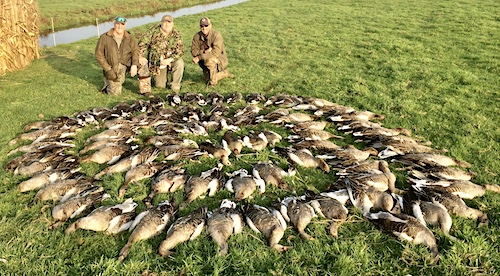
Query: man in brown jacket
209,53
116,51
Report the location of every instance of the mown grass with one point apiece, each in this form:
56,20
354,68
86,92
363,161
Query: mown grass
430,66
68,14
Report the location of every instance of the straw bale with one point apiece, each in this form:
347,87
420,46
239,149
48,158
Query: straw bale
19,32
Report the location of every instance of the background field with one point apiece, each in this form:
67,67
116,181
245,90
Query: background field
430,66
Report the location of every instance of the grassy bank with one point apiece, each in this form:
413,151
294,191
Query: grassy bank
75,14
430,66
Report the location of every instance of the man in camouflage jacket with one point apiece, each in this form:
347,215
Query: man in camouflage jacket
209,53
161,50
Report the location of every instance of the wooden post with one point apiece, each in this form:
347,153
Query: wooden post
53,34
97,26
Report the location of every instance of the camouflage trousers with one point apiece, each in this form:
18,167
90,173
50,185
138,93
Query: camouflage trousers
176,70
115,87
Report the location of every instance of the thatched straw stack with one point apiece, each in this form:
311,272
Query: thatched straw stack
19,33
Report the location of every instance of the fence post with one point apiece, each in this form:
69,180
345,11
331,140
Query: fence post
53,33
97,26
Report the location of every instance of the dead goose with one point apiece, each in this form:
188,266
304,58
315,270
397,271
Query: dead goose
406,228
216,151
380,181
272,174
256,142
197,186
304,158
116,133
193,97
320,145
233,98
148,224
78,204
243,185
296,117
178,152
41,179
367,166
299,213
329,208
47,163
254,98
267,221
367,198
462,188
62,190
308,134
245,115
442,173
45,145
223,222
183,229
43,135
109,154
139,173
272,137
120,223
100,219
454,204
233,143
283,100
214,98
313,125
431,159
173,99
347,155
145,155
168,180
357,115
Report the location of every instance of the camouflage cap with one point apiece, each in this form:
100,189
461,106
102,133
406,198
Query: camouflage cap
168,18
205,21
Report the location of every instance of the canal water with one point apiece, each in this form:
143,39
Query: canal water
75,34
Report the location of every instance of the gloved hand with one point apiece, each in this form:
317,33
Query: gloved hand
111,75
133,70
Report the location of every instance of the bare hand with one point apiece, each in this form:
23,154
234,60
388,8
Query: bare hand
196,59
143,61
133,70
166,62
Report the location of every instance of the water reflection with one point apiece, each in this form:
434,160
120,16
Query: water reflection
75,34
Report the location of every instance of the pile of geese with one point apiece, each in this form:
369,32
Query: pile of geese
153,139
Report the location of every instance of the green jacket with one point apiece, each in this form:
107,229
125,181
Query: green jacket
109,56
214,40
154,44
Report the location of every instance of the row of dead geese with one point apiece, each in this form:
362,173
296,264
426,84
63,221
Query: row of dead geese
438,182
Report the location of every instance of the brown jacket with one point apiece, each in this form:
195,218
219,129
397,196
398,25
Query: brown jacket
213,40
109,56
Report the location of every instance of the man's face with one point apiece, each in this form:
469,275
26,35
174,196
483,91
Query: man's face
120,27
205,29
167,26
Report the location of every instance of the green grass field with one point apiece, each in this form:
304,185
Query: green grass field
429,66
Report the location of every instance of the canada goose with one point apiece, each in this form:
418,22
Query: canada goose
139,173
272,174
367,197
406,228
183,229
168,180
299,213
46,163
223,222
243,185
46,145
329,208
233,143
197,186
148,224
267,221
442,173
115,133
380,181
100,218
256,142
216,151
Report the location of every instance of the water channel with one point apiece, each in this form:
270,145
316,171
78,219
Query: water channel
75,34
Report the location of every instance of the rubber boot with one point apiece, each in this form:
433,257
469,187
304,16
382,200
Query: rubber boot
219,76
